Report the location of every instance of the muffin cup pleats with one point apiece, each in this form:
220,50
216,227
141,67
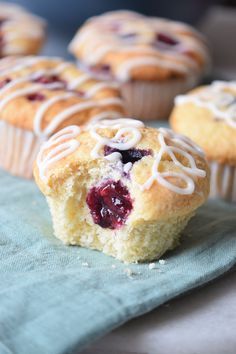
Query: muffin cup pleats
18,150
154,100
223,181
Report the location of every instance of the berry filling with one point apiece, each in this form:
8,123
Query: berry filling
131,155
35,97
4,82
50,79
164,40
110,204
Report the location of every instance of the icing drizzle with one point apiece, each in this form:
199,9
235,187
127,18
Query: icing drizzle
127,134
172,144
137,35
60,145
86,101
217,98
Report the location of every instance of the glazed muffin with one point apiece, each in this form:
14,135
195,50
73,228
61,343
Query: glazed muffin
120,187
153,59
207,115
40,95
21,33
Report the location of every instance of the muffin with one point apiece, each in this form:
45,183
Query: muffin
120,187
207,115
153,59
21,33
40,95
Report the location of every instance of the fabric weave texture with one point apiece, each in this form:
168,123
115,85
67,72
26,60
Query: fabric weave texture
56,299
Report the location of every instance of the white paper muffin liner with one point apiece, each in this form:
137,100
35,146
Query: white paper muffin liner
154,100
223,181
18,150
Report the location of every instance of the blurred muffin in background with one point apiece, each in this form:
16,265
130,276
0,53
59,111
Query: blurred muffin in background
41,95
153,59
207,115
21,33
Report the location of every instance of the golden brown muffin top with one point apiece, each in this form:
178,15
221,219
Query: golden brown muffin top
160,165
22,33
43,95
207,115
127,45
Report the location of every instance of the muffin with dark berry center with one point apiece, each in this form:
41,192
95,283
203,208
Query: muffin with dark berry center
120,187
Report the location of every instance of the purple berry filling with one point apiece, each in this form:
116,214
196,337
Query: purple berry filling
131,155
50,79
35,97
110,204
164,41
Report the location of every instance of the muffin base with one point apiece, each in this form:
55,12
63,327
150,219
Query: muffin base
223,181
18,150
144,242
154,100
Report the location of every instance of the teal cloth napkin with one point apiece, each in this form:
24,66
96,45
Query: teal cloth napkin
56,299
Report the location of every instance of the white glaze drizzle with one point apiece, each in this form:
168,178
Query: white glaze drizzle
42,110
217,99
76,108
123,72
59,146
187,172
100,86
11,65
96,41
126,137
35,86
79,81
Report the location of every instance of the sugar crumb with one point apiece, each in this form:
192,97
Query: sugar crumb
85,264
152,265
113,266
162,261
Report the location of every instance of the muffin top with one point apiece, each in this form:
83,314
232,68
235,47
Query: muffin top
165,170
208,116
21,33
127,45
43,95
